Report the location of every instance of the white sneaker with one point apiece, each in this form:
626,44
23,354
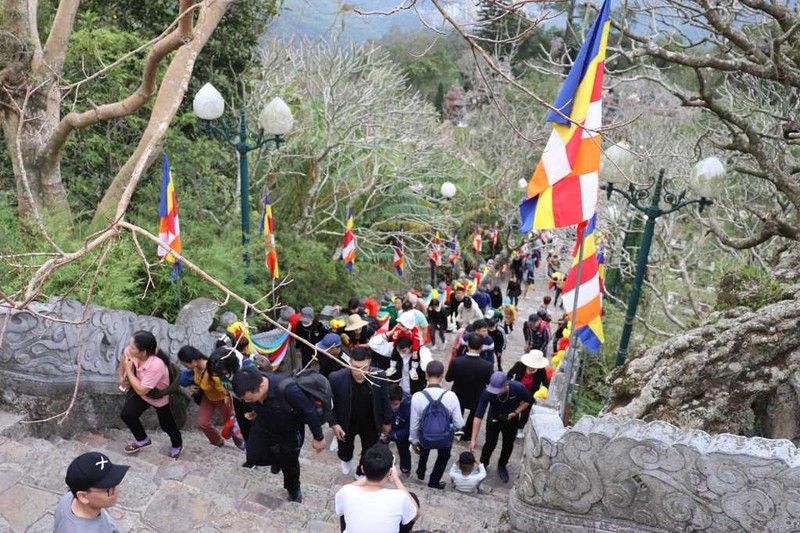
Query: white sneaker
520,434
347,467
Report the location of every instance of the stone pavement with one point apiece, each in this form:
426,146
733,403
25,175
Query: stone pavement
206,490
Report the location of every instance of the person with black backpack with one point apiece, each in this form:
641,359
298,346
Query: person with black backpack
279,413
435,416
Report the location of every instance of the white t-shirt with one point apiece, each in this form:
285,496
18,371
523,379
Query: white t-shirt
380,511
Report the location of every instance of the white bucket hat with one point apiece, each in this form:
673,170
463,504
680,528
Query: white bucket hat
534,359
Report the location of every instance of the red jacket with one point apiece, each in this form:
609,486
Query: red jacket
399,332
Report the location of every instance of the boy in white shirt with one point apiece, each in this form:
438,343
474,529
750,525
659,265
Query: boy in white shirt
365,506
464,474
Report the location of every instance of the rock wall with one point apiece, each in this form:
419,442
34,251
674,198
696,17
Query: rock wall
734,374
612,474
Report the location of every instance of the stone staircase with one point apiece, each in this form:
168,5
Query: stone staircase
207,490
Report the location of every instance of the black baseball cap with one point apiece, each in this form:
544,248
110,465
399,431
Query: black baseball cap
94,470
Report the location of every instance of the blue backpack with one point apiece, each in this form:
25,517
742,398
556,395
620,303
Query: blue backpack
436,429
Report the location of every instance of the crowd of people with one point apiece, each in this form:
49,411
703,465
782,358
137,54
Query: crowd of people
369,374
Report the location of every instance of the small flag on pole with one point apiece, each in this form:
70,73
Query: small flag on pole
399,260
453,259
435,257
588,319
494,236
268,231
169,230
349,244
563,190
476,241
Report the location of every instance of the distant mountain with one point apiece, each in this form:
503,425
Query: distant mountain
317,19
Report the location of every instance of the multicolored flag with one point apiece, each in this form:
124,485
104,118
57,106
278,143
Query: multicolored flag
588,320
169,230
399,260
268,231
477,245
493,236
435,257
563,190
453,259
349,244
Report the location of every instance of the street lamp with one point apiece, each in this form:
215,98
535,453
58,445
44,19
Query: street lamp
448,190
275,120
706,178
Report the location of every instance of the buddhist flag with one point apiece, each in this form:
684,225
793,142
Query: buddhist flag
563,190
268,231
399,260
349,244
435,257
169,230
493,236
453,259
588,321
476,241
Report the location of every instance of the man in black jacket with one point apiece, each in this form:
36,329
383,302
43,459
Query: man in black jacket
311,330
537,331
360,407
278,415
470,374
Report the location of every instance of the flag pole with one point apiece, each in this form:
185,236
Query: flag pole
178,288
274,311
569,367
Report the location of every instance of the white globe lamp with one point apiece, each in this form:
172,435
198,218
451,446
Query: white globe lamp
276,117
208,103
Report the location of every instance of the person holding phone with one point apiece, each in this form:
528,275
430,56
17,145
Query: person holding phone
367,506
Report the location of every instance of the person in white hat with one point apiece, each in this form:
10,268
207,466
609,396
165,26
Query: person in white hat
531,371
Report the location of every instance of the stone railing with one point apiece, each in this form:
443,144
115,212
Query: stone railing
613,474
39,348
39,361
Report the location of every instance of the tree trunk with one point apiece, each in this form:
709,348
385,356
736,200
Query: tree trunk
38,182
170,95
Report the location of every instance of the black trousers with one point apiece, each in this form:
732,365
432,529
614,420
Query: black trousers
132,411
264,450
368,436
495,428
404,528
441,329
244,423
468,423
405,454
442,457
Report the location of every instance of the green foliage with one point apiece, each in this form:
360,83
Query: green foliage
749,286
428,62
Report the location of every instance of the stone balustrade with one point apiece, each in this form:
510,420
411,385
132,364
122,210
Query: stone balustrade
613,474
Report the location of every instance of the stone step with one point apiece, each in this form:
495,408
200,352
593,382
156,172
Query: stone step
208,490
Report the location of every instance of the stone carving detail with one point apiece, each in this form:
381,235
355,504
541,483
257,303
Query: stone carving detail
35,348
626,475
